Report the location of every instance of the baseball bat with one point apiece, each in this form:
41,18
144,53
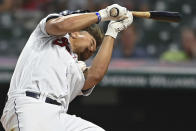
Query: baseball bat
164,16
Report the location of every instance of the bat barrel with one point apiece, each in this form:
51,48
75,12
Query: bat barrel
165,16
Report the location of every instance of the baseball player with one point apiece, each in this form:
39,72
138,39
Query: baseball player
50,73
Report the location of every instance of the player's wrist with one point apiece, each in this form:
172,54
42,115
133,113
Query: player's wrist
98,17
103,14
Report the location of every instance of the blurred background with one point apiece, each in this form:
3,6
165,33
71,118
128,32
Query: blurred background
151,82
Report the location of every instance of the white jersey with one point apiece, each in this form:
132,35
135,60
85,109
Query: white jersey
47,66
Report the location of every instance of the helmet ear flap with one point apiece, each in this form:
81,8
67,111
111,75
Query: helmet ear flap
69,12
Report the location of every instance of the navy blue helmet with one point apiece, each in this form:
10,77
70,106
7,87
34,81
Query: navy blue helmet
69,12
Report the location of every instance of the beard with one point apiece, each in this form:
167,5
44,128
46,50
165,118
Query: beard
81,57
84,55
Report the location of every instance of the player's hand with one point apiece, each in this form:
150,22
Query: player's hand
114,27
105,13
82,66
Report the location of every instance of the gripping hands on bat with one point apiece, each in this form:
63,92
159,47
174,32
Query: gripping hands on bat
120,22
120,14
116,12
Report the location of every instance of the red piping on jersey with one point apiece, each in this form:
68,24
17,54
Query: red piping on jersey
63,42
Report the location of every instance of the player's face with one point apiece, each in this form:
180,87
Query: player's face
85,45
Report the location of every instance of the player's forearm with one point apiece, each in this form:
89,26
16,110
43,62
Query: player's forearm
102,59
100,63
71,23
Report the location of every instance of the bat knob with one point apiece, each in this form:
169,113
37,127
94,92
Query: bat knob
114,12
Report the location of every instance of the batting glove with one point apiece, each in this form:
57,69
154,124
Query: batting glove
82,66
105,13
114,27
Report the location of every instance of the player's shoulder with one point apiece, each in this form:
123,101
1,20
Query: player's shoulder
50,16
40,29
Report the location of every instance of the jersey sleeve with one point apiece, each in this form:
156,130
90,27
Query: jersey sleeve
87,92
42,23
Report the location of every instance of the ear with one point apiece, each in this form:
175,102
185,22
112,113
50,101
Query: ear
74,35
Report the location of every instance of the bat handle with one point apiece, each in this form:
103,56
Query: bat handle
114,12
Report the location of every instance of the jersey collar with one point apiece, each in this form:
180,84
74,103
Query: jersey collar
74,55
